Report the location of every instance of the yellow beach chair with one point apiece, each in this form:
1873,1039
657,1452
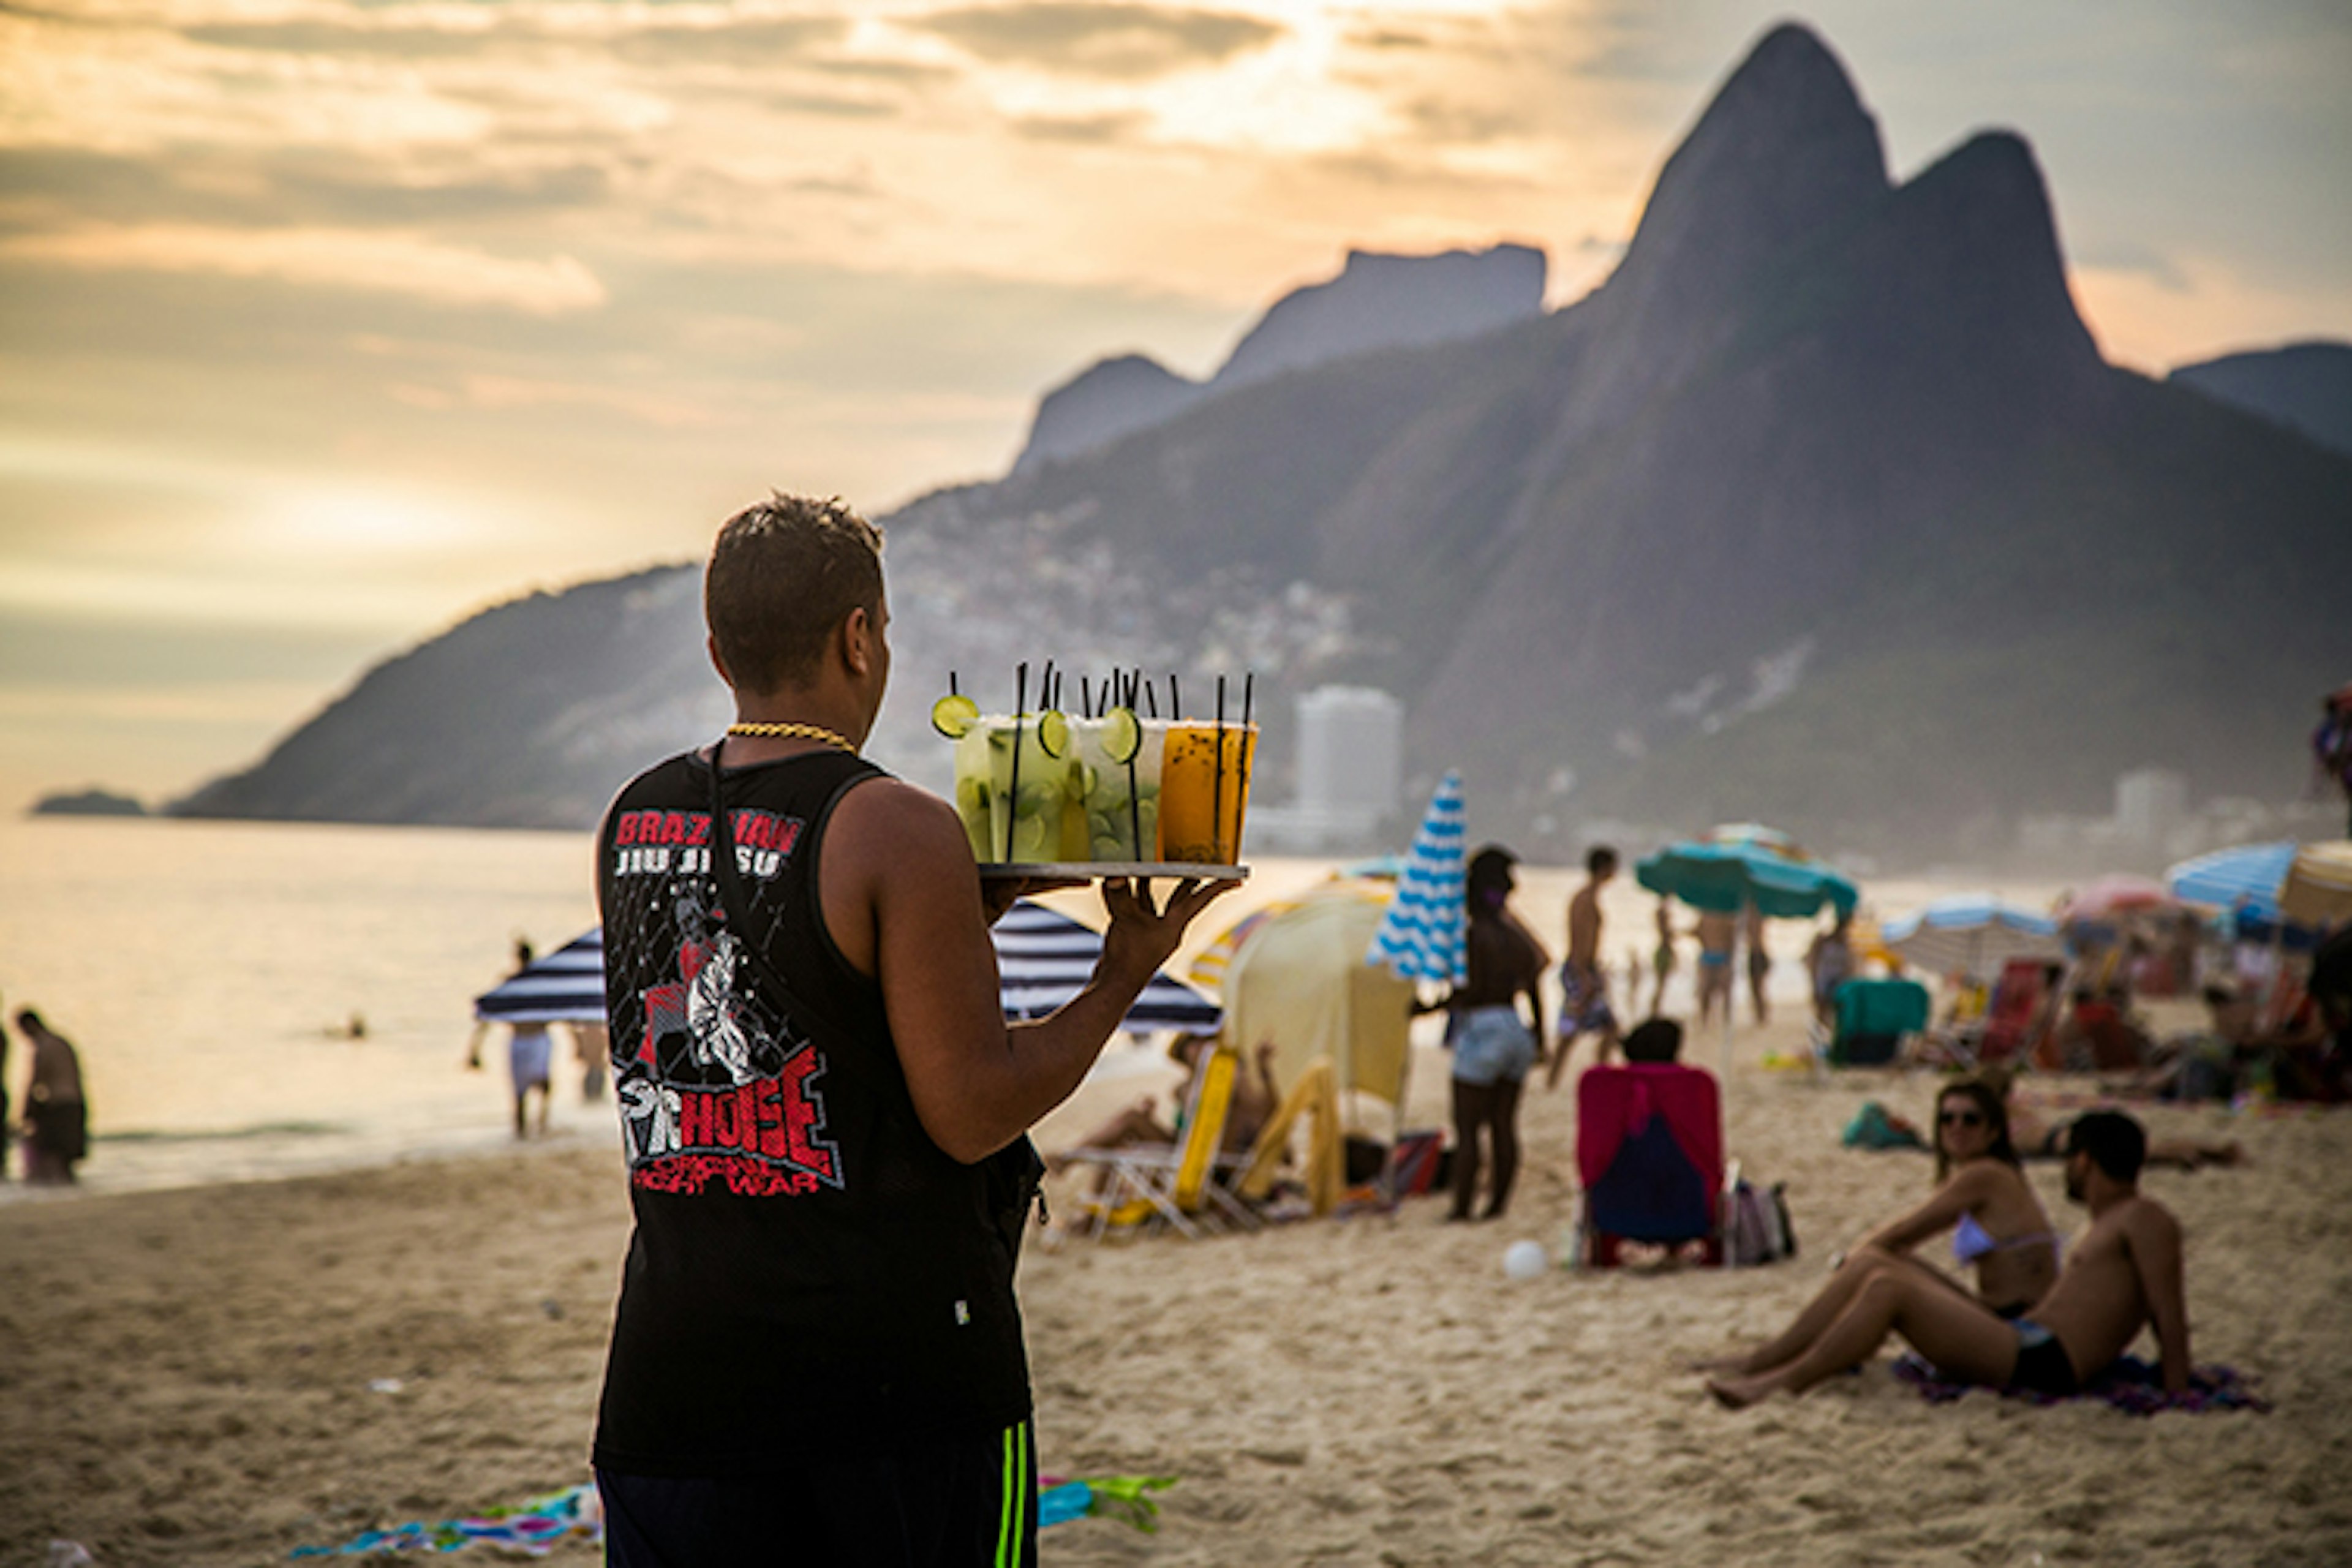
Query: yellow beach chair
1179,1186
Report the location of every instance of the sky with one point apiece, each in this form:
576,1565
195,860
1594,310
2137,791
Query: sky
325,323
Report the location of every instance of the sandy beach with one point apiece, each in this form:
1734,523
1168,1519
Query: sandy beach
186,1376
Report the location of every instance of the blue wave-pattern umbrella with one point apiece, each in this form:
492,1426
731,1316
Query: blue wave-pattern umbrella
1733,869
1043,958
566,986
1420,937
2246,878
1972,931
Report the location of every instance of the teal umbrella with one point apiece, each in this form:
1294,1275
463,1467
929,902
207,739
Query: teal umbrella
1741,867
1732,869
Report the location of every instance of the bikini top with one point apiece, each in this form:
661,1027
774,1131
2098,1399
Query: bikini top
1972,1241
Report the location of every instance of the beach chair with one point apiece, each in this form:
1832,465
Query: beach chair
1649,1152
2015,1024
1872,1018
1182,1187
1314,1099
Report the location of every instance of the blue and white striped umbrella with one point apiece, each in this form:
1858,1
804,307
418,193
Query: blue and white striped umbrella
1043,958
567,986
1420,937
2246,878
1972,931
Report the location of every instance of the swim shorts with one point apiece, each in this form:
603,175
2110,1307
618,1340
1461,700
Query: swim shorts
527,1055
1583,1003
2042,1364
940,1503
1493,1045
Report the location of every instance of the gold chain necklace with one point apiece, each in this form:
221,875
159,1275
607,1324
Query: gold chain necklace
790,732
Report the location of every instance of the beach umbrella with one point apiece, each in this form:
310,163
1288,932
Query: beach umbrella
1743,866
2111,897
1420,936
2318,887
567,986
2244,879
1043,958
1972,931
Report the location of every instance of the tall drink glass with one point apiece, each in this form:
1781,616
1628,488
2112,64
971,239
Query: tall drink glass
1118,799
1204,790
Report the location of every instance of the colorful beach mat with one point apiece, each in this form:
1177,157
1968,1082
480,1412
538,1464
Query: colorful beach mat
535,1527
2132,1385
538,1525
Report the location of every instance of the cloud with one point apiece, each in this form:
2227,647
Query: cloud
276,189
1089,129
1439,119
326,257
2131,256
404,41
1079,39
748,42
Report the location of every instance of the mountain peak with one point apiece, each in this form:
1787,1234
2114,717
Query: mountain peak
1783,150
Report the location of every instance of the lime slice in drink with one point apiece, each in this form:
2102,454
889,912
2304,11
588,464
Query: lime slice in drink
1053,733
953,715
1123,733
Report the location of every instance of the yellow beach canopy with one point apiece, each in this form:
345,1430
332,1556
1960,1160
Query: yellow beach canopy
1299,979
2318,887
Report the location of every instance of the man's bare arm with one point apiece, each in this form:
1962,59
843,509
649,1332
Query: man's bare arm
2154,1237
903,902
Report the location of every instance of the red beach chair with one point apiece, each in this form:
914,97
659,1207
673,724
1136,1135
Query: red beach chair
1649,1149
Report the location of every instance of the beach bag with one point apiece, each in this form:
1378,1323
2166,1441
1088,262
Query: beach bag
1757,1229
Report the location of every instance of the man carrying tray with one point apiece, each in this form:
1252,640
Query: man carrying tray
817,1356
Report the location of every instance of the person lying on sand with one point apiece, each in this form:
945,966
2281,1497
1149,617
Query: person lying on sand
1255,1100
1982,1197
2039,1140
2123,1275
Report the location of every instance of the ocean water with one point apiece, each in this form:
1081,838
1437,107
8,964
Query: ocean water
206,974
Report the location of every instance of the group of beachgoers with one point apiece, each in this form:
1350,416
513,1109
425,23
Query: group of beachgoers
2045,1319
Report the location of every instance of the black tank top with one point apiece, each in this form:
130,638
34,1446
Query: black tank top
809,1274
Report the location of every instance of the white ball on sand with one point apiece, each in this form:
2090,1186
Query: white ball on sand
1524,1260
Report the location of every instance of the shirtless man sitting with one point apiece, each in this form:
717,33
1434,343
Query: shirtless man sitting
2123,1275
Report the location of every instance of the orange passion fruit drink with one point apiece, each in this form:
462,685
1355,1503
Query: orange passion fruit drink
1204,790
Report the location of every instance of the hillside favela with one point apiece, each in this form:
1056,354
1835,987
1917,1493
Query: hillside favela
1407,784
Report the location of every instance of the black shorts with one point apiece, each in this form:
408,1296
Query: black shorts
2043,1368
969,1502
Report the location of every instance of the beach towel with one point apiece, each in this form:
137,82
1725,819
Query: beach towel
534,1528
539,1524
1873,1128
2132,1385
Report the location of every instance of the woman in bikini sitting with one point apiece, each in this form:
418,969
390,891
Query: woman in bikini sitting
1982,1197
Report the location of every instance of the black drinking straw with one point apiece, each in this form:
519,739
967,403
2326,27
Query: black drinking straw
1085,697
1241,797
1134,806
1217,781
951,684
1150,692
1012,790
